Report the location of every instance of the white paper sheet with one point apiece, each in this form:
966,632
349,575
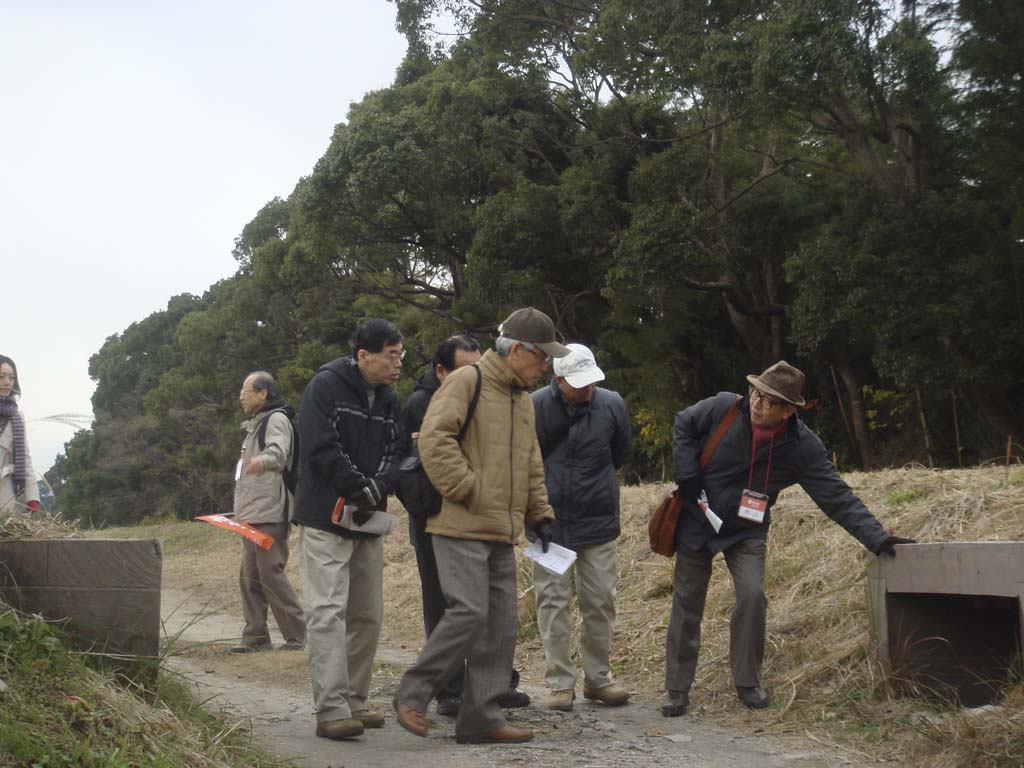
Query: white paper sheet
379,522
715,520
557,559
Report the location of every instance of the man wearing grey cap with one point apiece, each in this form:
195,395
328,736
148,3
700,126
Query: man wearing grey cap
760,448
584,436
492,485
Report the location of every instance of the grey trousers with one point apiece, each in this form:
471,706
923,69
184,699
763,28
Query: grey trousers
343,586
746,627
479,582
264,585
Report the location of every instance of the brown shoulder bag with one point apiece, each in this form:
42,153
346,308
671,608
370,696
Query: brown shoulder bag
662,528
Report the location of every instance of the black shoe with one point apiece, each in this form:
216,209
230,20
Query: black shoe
754,696
675,704
513,698
449,705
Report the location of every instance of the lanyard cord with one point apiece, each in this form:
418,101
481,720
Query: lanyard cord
768,469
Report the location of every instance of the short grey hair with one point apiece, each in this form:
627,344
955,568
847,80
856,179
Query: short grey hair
263,382
503,345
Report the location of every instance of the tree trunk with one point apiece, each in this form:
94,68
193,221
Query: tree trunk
858,414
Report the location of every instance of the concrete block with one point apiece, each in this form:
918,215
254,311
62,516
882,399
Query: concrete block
107,592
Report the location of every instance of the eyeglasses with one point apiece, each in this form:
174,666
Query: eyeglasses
394,355
756,394
536,352
245,391
7,377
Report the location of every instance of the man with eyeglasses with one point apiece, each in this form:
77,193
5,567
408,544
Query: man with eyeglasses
349,447
263,500
492,486
762,448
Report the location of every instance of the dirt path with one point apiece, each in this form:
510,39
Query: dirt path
270,691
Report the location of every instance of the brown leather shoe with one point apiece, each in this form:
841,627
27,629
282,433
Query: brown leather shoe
339,729
560,700
506,734
414,721
368,718
613,695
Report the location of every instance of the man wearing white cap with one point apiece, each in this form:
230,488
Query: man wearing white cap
584,435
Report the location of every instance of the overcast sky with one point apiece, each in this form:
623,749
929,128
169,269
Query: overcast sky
136,140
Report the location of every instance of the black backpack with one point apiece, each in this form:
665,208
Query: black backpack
291,471
413,487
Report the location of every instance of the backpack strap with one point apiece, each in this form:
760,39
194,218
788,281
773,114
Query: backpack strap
472,405
261,441
719,433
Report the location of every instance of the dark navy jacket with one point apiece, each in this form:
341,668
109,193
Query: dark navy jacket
581,452
797,457
342,442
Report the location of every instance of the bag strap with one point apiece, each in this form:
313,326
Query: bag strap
261,441
719,433
472,405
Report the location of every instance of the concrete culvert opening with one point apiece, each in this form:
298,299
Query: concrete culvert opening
947,619
964,648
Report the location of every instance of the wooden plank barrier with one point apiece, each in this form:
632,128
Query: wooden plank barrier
107,593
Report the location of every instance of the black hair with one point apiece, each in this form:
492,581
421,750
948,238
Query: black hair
444,355
17,379
374,335
264,382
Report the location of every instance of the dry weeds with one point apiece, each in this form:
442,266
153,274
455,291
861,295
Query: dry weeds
824,682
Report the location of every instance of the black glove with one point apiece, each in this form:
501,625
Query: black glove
371,494
887,547
543,532
360,515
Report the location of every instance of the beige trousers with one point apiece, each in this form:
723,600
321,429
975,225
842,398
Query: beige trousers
595,571
342,584
264,585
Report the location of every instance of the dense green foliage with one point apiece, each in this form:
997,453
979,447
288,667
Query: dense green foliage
694,189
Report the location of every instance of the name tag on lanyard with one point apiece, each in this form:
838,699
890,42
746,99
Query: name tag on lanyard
753,506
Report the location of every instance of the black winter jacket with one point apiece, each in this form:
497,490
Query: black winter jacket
581,452
797,456
410,420
342,442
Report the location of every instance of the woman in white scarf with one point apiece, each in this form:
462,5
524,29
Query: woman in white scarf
18,487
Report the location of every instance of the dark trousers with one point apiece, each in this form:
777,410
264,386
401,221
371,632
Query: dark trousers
747,624
434,603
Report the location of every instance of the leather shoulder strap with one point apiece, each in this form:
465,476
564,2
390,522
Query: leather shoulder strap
719,433
472,405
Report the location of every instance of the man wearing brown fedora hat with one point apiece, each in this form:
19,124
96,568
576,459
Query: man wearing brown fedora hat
491,478
762,448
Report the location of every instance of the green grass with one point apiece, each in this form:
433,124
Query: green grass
898,496
58,711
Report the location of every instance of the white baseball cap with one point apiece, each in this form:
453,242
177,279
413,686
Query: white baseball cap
579,367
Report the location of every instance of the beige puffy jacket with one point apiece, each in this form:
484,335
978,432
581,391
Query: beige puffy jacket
260,498
493,482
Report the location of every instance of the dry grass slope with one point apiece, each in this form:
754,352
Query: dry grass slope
823,680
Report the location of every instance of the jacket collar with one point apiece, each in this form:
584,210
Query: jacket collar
791,432
492,366
346,369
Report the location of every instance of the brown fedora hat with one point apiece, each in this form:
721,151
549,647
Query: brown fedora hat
781,380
